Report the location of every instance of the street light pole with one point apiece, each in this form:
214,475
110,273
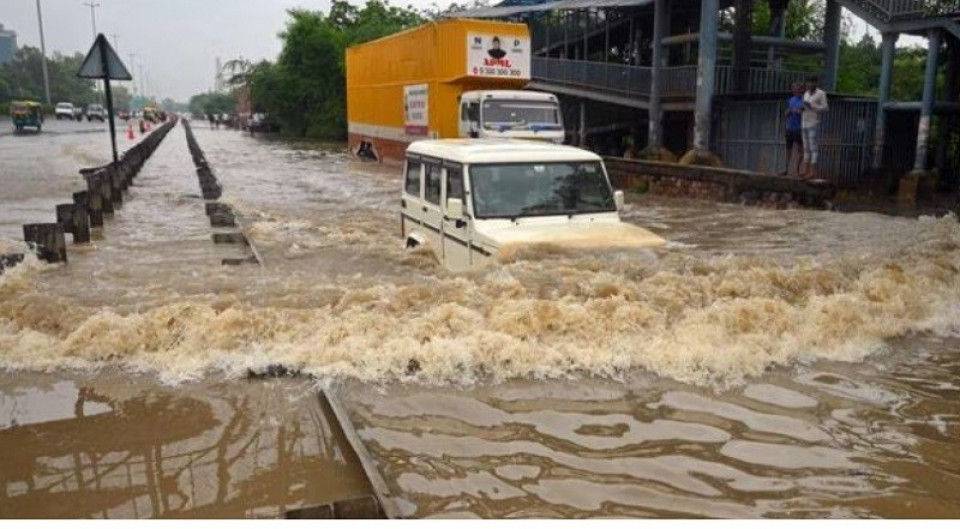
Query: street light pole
93,22
116,42
93,16
43,52
133,71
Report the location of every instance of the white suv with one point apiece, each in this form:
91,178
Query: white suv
64,111
471,201
96,111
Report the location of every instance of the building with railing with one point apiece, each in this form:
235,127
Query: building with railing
698,78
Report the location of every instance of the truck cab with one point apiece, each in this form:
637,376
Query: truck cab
473,202
521,114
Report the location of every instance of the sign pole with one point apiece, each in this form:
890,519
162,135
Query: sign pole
109,94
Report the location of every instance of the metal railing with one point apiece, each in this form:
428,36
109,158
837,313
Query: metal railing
761,81
612,77
675,81
893,10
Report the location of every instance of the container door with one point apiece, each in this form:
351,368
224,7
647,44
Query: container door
456,225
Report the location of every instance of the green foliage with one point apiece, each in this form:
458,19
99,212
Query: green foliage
305,89
211,103
22,78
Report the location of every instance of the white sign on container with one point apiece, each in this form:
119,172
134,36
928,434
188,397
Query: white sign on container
416,119
498,56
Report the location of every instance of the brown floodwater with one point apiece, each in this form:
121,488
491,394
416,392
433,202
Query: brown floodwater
765,363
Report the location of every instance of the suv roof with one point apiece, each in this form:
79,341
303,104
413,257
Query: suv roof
499,151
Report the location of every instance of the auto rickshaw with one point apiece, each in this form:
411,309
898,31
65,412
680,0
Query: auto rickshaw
26,114
150,114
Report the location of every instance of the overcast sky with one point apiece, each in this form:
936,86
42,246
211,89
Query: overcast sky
176,41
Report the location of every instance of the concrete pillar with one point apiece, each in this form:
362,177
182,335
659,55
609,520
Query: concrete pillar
706,81
586,33
48,240
660,29
926,106
778,24
950,96
743,28
888,51
583,124
831,37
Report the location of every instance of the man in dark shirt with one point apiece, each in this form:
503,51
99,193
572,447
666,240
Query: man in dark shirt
794,134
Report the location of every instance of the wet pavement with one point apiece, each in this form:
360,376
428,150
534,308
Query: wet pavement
766,363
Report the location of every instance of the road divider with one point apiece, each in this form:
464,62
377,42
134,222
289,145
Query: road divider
104,195
221,215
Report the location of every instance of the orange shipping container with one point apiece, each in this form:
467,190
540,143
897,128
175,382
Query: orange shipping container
404,87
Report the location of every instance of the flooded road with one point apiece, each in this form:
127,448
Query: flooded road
766,363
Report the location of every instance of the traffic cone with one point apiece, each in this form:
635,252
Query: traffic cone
130,135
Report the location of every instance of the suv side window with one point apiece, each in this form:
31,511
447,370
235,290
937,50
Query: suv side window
433,180
412,183
454,182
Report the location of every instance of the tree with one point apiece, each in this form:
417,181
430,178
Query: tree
305,89
22,78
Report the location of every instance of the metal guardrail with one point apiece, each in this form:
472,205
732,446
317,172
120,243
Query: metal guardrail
762,80
895,10
675,81
632,80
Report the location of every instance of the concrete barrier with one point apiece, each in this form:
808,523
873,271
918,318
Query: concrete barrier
715,183
48,240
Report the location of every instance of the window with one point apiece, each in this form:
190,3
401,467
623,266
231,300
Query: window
412,184
529,189
454,183
434,179
504,115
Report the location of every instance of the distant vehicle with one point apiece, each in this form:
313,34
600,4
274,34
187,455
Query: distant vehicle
95,111
26,114
124,114
263,123
150,114
473,201
64,111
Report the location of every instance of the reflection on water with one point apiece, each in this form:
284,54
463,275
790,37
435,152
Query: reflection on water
112,447
838,440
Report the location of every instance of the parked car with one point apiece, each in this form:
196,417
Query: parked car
95,111
64,111
471,201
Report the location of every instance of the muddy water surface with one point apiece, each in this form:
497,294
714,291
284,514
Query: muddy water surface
766,363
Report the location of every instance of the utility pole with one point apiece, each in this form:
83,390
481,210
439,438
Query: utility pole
93,21
133,71
93,16
143,92
43,52
116,42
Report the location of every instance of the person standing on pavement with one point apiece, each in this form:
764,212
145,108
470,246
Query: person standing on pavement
814,105
794,127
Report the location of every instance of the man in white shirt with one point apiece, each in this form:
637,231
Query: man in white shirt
814,104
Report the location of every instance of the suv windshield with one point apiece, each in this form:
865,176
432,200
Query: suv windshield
507,114
64,105
533,189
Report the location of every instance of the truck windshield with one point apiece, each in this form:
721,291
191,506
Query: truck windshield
518,114
536,189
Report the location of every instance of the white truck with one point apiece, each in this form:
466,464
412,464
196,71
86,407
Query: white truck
523,114
474,201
